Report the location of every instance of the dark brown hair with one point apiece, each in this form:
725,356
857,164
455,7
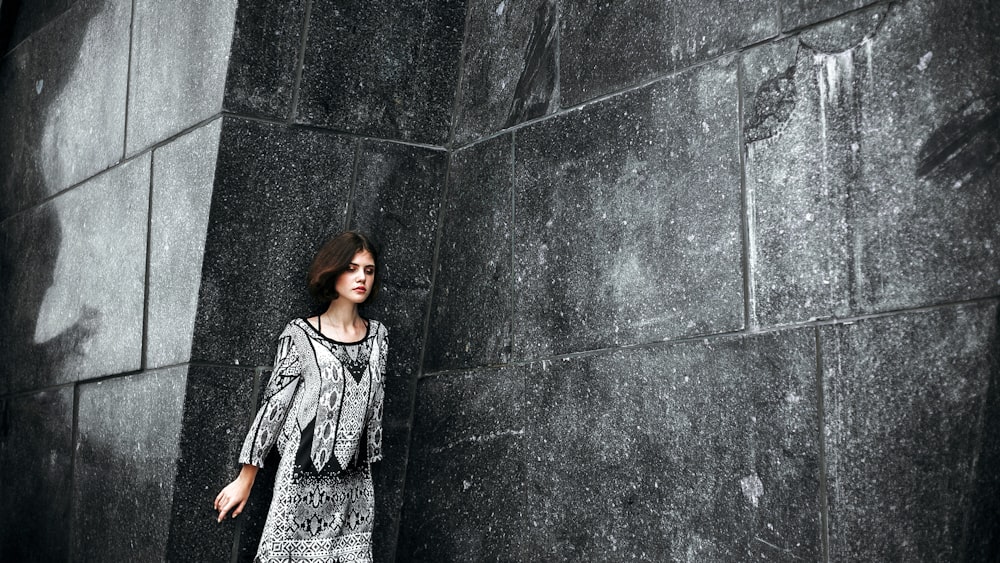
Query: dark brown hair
333,259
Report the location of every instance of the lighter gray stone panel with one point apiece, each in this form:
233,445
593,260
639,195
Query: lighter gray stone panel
904,400
76,282
871,163
62,103
180,53
126,459
183,173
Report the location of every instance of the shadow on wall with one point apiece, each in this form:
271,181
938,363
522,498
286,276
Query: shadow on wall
33,239
34,500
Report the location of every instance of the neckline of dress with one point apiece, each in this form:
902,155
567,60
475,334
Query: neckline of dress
368,329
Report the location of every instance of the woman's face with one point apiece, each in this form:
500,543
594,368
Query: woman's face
356,283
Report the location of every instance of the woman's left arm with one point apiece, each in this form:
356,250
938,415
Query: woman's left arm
378,398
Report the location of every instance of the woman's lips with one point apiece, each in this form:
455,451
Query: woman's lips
360,289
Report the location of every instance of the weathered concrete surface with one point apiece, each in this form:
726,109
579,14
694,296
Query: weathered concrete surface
183,173
385,69
36,453
627,219
871,163
74,277
264,54
798,13
904,402
510,71
180,52
279,195
123,474
470,323
606,46
62,103
699,450
218,405
465,487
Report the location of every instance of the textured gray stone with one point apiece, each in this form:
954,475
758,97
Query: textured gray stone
62,103
397,200
180,52
904,399
606,46
385,69
465,492
389,476
695,451
183,173
627,219
279,194
74,289
265,50
36,452
470,317
123,474
798,13
32,16
509,69
218,409
871,163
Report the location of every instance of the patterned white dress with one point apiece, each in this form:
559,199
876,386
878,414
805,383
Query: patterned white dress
323,408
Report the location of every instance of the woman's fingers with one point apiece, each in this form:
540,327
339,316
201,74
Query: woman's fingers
239,509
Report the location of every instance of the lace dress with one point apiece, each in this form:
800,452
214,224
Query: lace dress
323,408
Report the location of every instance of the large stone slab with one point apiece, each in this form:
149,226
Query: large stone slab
871,163
702,451
470,318
279,194
219,405
62,103
607,46
36,460
397,200
465,481
385,69
510,72
180,53
74,282
904,399
183,173
798,13
265,52
627,219
123,475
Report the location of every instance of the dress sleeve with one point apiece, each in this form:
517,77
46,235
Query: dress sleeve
278,397
378,398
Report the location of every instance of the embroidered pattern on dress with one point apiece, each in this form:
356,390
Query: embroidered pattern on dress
318,416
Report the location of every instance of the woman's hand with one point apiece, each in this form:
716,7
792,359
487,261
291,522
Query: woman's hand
234,495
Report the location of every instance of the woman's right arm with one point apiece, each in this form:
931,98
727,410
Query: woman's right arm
235,494
277,401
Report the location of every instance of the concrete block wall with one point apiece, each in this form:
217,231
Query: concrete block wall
109,112
716,282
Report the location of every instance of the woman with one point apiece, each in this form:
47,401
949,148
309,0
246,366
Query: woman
323,409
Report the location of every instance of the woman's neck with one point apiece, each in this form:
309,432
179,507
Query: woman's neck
341,315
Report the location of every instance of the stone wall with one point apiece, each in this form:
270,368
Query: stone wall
664,280
109,112
716,282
